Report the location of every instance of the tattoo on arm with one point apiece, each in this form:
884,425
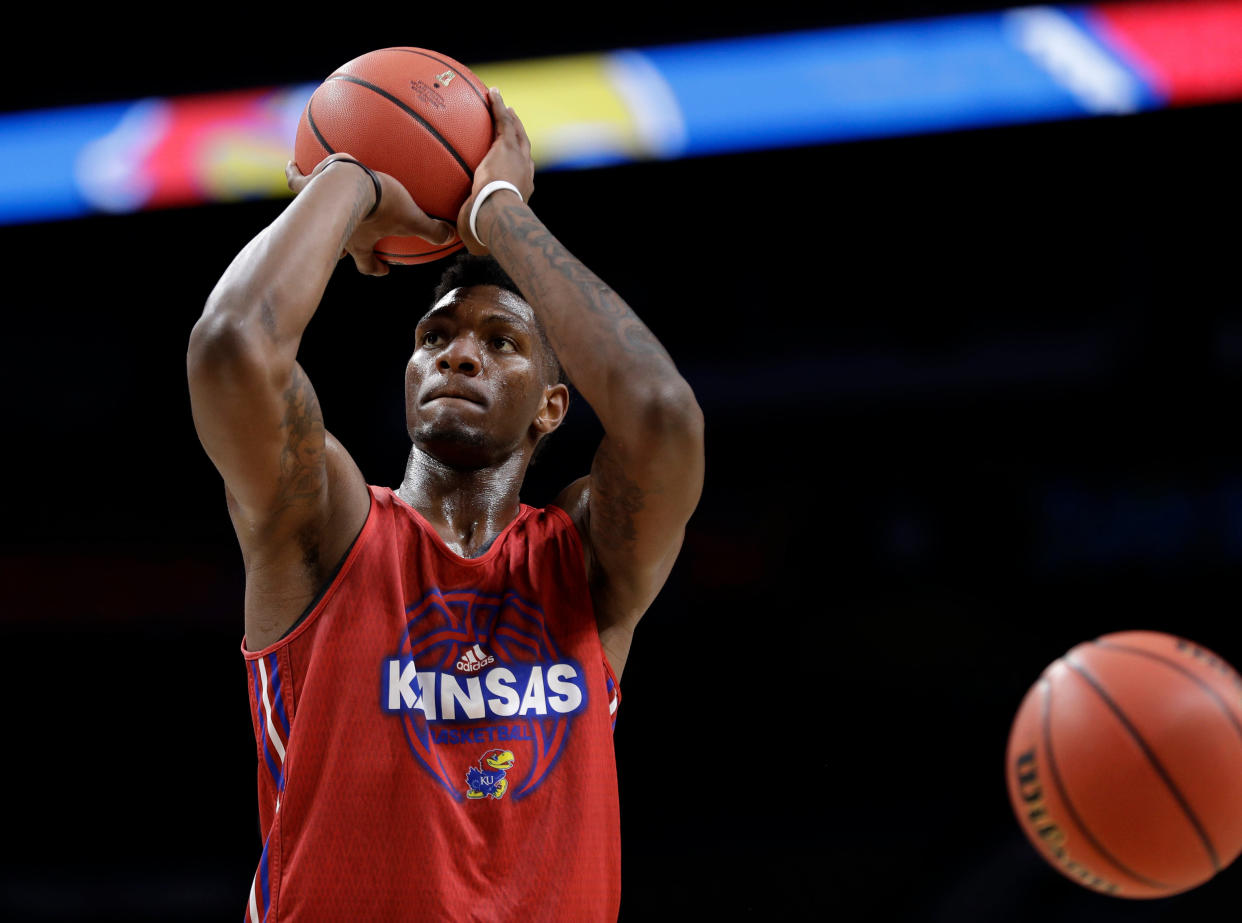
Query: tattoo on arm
302,459
360,208
528,243
267,317
616,501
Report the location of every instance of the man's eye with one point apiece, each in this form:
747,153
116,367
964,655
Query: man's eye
503,344
431,338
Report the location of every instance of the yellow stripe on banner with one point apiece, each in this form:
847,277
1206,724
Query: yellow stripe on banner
238,165
570,107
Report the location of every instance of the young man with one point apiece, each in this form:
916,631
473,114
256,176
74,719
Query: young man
433,670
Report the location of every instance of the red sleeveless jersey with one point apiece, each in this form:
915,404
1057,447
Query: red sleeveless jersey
435,736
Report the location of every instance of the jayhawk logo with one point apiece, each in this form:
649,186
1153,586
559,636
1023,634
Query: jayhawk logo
487,780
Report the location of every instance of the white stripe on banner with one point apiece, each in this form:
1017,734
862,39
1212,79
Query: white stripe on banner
612,706
651,102
267,709
1074,60
254,908
111,170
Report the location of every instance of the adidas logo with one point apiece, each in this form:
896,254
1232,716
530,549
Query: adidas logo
474,659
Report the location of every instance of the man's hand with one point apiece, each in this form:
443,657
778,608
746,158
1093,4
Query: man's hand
508,159
397,216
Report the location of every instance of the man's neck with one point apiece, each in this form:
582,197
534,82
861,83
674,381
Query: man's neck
468,509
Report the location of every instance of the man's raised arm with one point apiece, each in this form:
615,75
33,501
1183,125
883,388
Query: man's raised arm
647,475
255,410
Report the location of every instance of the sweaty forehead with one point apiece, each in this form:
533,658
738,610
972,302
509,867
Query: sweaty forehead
489,299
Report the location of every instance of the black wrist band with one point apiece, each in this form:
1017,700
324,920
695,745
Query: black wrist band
374,179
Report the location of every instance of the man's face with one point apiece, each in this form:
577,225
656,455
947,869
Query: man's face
475,387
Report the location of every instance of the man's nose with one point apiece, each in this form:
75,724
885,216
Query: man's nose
461,355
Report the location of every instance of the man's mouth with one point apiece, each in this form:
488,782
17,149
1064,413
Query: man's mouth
456,394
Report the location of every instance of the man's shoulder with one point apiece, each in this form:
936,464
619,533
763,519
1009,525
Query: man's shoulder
575,500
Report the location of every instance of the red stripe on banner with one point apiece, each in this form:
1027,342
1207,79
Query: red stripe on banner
1191,49
204,134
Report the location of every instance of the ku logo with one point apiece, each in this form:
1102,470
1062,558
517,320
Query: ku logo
446,78
487,780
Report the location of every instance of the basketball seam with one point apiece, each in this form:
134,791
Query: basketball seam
1046,723
1206,687
451,67
423,253
1151,758
310,120
350,78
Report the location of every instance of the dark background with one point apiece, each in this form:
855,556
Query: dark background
969,401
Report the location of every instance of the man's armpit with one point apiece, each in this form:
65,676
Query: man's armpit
302,469
615,502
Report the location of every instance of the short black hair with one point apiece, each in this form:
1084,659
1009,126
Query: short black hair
467,270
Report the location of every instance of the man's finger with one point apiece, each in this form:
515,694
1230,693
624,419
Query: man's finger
294,177
436,232
521,129
501,113
368,263
507,118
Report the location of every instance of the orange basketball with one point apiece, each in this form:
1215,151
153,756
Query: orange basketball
1125,764
417,115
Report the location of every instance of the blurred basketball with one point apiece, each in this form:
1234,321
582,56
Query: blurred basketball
417,115
1125,764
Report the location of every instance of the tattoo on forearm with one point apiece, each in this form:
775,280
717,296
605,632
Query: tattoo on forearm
361,207
522,239
616,501
302,457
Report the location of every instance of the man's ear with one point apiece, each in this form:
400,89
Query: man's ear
552,410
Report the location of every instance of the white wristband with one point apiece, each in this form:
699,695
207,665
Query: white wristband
482,196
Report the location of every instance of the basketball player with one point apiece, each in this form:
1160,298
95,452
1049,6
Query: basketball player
433,671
